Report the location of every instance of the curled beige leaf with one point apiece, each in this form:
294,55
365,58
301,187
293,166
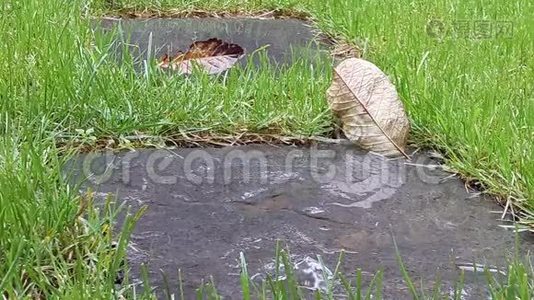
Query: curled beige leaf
367,103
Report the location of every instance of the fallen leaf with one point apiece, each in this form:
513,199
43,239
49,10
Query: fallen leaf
367,103
212,55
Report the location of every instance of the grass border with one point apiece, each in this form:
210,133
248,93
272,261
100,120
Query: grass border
132,13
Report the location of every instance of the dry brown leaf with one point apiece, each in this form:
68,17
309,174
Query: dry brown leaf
369,107
213,55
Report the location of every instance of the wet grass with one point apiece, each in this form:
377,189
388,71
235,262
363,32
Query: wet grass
54,242
471,98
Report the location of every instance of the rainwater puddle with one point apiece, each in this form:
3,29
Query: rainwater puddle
315,202
282,40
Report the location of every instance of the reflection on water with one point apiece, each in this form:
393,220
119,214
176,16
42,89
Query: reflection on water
283,40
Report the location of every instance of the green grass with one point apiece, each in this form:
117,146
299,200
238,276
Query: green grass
470,98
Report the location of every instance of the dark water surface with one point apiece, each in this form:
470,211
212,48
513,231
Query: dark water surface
206,206
284,40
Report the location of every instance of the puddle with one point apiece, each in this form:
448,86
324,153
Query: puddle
310,272
283,39
206,206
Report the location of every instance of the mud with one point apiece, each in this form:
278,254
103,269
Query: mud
206,206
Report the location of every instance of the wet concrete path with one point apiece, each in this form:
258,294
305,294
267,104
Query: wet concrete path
206,206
